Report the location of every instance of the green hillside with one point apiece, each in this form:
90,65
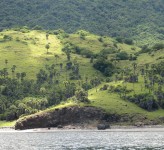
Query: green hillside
140,20
113,104
49,69
26,50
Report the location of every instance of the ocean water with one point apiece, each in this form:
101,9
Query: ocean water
82,140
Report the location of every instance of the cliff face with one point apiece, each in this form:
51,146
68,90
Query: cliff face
64,116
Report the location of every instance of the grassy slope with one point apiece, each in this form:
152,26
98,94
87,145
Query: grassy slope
7,124
92,43
29,55
150,58
112,103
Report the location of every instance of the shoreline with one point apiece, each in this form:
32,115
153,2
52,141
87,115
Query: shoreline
71,128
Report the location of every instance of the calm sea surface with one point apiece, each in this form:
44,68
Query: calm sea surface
82,140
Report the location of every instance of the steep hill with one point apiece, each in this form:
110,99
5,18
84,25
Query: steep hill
140,20
26,49
41,69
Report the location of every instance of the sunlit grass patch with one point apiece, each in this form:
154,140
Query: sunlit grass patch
7,123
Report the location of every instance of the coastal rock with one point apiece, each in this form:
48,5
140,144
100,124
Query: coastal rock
60,127
103,126
139,124
60,117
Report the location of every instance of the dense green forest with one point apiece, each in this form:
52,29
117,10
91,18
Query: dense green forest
140,20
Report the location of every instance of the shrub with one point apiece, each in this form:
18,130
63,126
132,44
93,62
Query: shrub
106,51
87,53
23,30
133,48
118,89
122,55
100,39
69,65
82,51
78,50
132,78
105,87
82,36
145,101
73,76
7,37
82,96
86,86
37,27
128,41
158,46
104,66
145,49
131,57
119,39
108,79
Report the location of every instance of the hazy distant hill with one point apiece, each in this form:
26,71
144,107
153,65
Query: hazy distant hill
142,20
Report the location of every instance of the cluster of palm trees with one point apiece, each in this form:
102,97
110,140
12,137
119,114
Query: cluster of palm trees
14,87
151,78
5,72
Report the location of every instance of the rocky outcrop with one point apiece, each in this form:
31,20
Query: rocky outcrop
61,117
80,117
103,126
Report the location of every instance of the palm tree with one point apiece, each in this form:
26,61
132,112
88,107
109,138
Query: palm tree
142,71
18,75
51,76
47,35
68,53
23,74
13,70
91,59
52,67
47,67
65,83
5,73
147,67
47,47
56,58
95,82
61,66
1,73
6,62
116,77
134,67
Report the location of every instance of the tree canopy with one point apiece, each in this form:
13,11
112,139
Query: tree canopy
119,18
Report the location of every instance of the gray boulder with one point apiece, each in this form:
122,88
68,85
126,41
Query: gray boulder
103,126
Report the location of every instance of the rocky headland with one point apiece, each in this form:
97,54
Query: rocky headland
81,117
